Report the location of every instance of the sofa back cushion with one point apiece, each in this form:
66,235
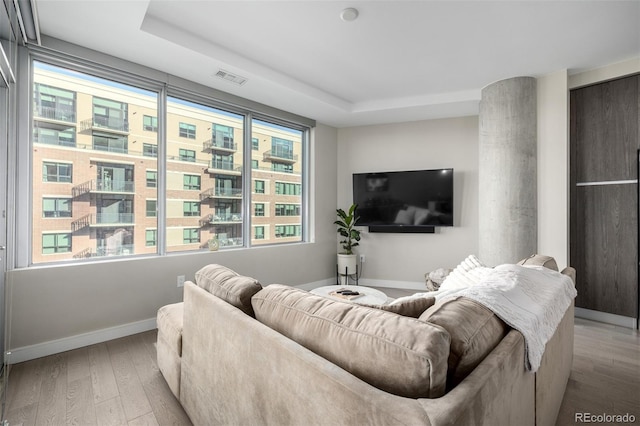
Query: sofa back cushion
474,329
398,354
540,260
229,286
408,306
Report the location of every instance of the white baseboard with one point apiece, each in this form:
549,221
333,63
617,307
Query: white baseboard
606,318
51,347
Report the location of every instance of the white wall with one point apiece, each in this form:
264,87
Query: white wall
553,167
56,308
393,259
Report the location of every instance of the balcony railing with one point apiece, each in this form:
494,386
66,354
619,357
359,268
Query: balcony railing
225,166
52,113
227,218
81,223
83,188
230,242
104,123
221,192
107,185
111,218
52,139
206,220
280,155
219,143
103,185
119,250
86,253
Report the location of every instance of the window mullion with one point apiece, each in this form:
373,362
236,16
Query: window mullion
161,234
247,181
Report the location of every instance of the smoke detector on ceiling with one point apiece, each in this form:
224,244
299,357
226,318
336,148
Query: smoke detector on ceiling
349,14
233,78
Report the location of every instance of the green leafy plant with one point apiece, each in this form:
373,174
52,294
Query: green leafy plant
346,227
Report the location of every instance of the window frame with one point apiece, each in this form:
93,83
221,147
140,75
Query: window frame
71,58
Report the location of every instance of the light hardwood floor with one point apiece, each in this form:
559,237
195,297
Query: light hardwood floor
118,382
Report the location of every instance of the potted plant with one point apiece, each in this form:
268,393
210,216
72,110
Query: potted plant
346,228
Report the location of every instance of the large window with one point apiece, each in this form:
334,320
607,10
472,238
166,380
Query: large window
280,184
98,155
96,143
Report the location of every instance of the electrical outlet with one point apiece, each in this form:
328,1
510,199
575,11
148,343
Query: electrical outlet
181,279
362,258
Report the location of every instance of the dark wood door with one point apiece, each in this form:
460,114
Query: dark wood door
604,144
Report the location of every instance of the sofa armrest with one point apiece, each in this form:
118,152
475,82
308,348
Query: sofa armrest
236,370
499,391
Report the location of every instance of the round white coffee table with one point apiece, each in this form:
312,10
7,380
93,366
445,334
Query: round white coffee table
369,295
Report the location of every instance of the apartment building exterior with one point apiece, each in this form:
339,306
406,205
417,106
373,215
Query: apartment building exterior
95,173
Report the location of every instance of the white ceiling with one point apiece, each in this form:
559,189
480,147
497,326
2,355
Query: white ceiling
399,61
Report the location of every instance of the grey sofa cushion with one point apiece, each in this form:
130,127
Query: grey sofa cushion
397,354
229,286
475,331
407,306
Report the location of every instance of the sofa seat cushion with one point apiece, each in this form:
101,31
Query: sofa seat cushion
474,329
397,354
169,321
229,286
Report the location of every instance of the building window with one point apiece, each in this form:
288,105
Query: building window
258,187
56,172
282,148
258,209
254,164
286,188
287,209
152,208
54,103
56,243
110,143
152,179
150,150
187,130
255,144
259,233
191,208
151,236
150,123
282,167
187,155
110,114
283,231
191,182
56,207
65,136
190,235
223,136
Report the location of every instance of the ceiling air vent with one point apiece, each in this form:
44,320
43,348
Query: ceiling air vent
233,78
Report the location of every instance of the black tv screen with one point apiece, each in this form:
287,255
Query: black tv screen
411,199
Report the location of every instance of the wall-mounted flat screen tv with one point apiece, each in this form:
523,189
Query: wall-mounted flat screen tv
404,201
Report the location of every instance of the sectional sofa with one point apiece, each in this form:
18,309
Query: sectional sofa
237,353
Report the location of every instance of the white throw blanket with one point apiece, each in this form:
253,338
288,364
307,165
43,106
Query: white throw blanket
531,299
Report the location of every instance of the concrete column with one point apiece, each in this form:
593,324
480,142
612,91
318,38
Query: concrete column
507,197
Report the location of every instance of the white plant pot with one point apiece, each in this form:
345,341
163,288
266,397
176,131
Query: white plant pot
346,266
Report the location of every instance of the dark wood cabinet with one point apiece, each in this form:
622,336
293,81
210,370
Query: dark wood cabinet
604,141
